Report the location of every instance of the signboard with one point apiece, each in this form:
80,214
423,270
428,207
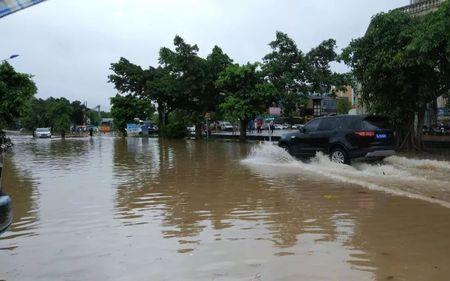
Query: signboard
275,111
10,6
133,129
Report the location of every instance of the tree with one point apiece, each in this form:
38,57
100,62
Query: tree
321,78
59,112
246,94
189,70
15,91
431,47
402,64
79,110
285,67
151,85
216,62
296,75
343,106
125,109
36,114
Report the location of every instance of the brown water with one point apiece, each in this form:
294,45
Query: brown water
144,209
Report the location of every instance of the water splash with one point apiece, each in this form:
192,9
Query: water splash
422,179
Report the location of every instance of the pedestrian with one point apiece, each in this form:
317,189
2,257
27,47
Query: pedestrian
271,127
91,132
250,126
259,126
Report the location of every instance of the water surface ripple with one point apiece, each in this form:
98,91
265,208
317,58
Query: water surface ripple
146,209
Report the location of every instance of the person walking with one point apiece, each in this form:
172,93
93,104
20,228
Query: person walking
271,127
259,126
250,126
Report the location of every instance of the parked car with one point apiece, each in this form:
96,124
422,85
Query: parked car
42,133
343,138
297,126
285,126
225,126
278,127
191,129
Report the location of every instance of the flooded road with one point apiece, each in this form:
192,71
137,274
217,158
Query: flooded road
146,209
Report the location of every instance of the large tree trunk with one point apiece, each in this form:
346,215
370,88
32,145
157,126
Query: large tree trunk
406,135
243,130
419,129
160,115
198,130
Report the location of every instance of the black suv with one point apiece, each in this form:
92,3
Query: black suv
342,137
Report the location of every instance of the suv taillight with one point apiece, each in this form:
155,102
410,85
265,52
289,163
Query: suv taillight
365,133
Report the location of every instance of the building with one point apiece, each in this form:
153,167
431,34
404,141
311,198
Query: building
421,7
322,105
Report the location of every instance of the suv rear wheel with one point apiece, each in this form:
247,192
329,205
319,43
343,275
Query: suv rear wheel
340,156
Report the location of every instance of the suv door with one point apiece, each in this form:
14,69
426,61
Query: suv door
320,139
301,143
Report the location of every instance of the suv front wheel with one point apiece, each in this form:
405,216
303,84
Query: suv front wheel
340,156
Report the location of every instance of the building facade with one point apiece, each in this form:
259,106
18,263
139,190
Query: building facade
421,7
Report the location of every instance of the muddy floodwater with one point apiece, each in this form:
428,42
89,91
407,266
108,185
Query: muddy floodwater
146,209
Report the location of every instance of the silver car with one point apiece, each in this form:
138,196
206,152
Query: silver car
43,133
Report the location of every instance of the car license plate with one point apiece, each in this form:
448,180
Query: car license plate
381,136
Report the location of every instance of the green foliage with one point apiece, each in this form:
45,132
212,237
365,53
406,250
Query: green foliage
402,64
125,109
185,82
79,111
343,106
60,112
295,74
15,90
246,93
176,127
57,113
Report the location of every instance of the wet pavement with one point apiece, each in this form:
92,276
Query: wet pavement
147,209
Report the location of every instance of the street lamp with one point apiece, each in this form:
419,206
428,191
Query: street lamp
10,57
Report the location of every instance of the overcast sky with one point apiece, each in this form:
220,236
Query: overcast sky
68,45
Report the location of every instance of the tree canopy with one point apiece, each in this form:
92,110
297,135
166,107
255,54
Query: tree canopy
296,74
246,93
15,91
189,84
402,63
120,110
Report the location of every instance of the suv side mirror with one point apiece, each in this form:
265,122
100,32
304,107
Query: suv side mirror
302,130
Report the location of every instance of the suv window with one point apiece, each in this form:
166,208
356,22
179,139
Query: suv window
313,125
328,124
350,123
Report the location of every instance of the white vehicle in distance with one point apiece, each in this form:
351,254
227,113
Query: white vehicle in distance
278,127
297,126
225,126
42,133
191,129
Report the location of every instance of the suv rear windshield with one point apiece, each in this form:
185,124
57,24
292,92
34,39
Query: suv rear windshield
375,123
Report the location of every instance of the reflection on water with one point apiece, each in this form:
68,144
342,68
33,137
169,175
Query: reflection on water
139,209
25,205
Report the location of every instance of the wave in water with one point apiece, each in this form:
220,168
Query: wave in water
422,179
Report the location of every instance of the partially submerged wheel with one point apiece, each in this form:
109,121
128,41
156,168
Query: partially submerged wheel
340,156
